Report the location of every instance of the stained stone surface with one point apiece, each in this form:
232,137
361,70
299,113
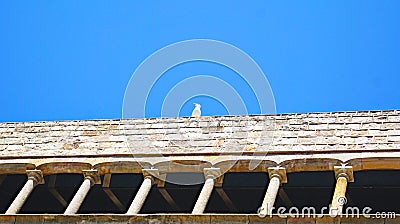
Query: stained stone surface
313,132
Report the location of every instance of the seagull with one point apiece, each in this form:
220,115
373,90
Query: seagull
196,111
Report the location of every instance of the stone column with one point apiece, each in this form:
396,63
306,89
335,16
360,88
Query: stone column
277,176
201,203
91,177
343,174
35,177
143,191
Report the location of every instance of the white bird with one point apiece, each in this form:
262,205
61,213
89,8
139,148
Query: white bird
196,111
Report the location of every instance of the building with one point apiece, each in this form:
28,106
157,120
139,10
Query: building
204,170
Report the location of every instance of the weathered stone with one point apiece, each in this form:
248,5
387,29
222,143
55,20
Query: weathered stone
361,219
269,220
327,219
369,130
220,219
300,220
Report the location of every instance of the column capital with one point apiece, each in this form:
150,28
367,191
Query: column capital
155,175
36,176
279,172
92,175
152,172
214,173
344,171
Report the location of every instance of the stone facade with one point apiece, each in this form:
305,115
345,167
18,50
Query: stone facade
339,142
312,132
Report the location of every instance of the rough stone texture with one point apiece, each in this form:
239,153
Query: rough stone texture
334,131
301,220
183,218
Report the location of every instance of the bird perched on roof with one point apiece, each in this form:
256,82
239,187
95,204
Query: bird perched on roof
196,111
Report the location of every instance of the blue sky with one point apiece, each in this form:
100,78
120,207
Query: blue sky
62,60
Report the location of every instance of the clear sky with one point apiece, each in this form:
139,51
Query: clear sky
62,60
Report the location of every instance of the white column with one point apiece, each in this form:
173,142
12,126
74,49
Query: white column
91,178
204,196
202,200
277,176
141,196
344,174
35,177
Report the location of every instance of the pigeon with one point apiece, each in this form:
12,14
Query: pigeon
196,111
